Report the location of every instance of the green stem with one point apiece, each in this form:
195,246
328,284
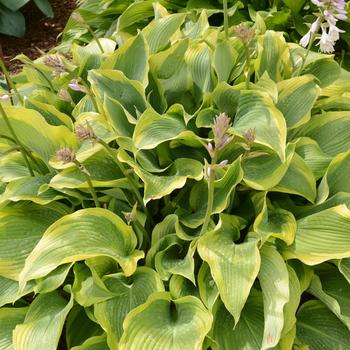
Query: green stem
225,18
312,39
10,81
143,230
95,38
129,178
14,136
211,181
88,91
89,182
247,79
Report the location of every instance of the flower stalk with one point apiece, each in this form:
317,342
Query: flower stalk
221,139
16,139
225,19
9,80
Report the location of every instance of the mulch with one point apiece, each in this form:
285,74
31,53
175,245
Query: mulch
42,32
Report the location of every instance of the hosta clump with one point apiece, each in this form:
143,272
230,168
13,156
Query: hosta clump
192,194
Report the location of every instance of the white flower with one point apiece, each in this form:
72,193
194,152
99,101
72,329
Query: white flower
326,43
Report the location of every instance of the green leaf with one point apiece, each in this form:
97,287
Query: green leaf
257,111
43,323
44,7
159,31
331,130
319,328
93,343
322,236
162,323
298,179
247,333
86,233
296,99
295,5
9,319
129,292
273,277
224,60
20,230
329,286
35,133
207,288
9,291
231,265
344,268
12,23
113,83
132,59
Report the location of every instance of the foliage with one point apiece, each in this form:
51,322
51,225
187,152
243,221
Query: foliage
293,17
186,190
12,21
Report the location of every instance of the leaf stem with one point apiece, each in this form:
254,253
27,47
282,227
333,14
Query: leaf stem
95,38
90,94
225,18
18,142
210,204
89,182
312,39
10,81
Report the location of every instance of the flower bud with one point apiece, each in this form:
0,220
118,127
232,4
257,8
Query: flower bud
66,155
74,85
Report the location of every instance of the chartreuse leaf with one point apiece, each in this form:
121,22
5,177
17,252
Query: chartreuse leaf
86,233
35,133
333,181
313,156
88,288
322,236
93,343
230,265
159,32
296,97
247,333
257,111
273,277
266,171
273,56
29,188
129,292
298,179
132,59
226,98
9,319
114,84
157,186
20,230
12,167
9,291
199,60
207,288
224,59
180,286
331,130
274,222
319,328
43,323
329,286
162,323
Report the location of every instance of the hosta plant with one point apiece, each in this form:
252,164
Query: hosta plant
185,190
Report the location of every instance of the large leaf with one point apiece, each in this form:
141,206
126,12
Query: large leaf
231,265
20,230
319,328
273,277
43,323
86,233
257,111
296,99
329,286
162,323
132,59
35,133
247,333
322,236
129,292
9,319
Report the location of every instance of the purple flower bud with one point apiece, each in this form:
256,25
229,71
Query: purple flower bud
4,97
208,172
224,162
210,147
74,85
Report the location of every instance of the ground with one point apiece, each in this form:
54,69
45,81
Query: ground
41,32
